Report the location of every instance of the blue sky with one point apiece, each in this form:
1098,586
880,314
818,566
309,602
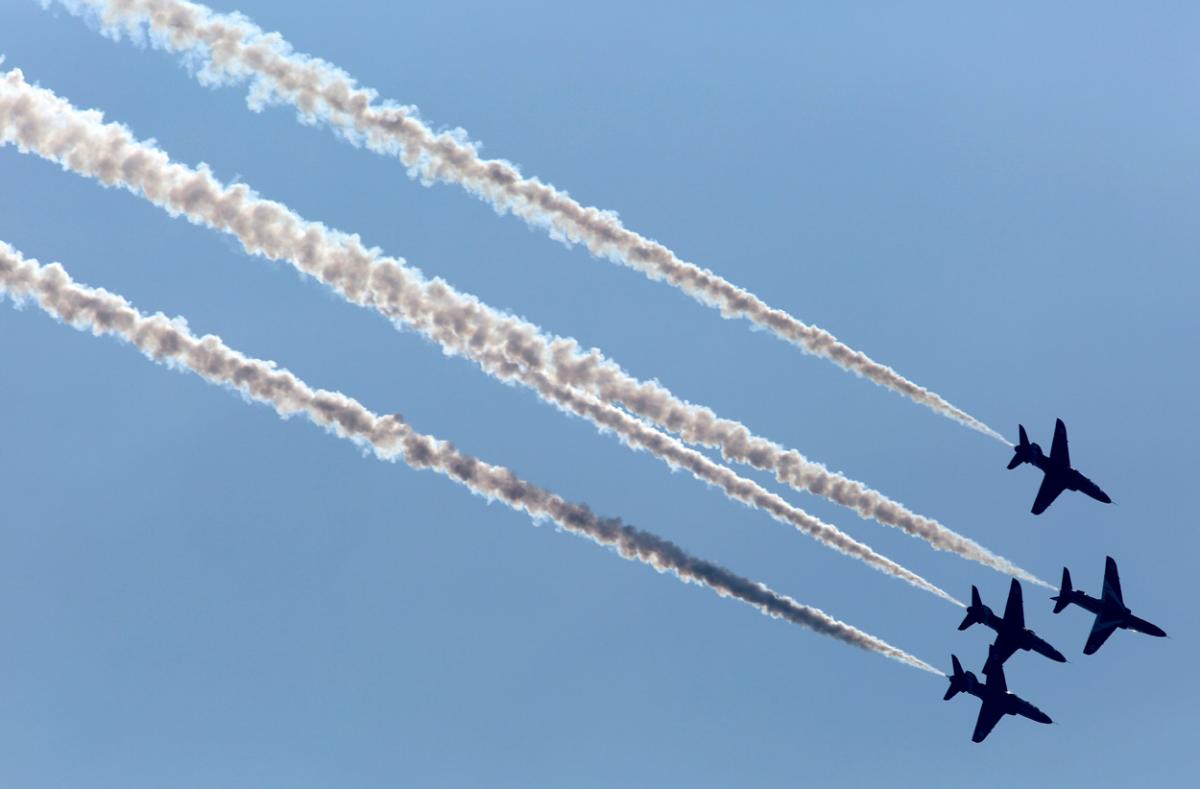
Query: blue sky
1001,203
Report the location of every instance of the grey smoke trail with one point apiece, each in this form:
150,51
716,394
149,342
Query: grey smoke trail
231,49
190,26
40,122
236,49
564,362
169,341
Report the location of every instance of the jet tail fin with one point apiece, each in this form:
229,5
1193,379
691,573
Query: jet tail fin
1063,598
1021,450
958,680
973,610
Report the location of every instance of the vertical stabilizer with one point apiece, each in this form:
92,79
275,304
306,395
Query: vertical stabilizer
958,680
1063,598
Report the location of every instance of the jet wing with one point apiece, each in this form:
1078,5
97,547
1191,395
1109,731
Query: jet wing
1112,582
1089,488
1043,648
1047,493
1004,647
1028,710
990,713
1014,611
1059,452
1101,630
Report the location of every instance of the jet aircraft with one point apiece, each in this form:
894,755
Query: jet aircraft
1110,609
996,700
1011,633
1059,475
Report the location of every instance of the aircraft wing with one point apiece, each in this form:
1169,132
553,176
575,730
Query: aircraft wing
990,713
1028,710
1101,630
1014,611
1089,488
999,652
1043,648
1047,493
1060,454
1112,582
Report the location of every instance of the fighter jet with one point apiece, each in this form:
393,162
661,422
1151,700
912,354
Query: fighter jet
1110,609
1011,633
996,700
1057,468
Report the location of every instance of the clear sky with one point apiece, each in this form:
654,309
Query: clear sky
1001,203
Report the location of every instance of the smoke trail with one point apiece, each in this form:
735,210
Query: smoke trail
524,348
231,49
38,121
169,341
700,425
237,49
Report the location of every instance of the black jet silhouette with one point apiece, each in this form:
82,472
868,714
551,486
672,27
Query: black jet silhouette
1057,468
1011,633
1110,609
996,699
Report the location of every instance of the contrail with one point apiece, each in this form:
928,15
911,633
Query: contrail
38,121
237,49
169,341
700,425
231,49
469,327
509,348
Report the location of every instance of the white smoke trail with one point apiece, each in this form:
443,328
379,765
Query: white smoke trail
237,49
169,341
40,122
231,49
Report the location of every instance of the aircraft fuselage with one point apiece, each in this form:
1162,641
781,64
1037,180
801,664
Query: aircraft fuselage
1112,612
1068,477
1114,615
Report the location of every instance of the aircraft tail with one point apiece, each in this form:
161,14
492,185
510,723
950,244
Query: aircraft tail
974,611
1021,450
1063,598
958,680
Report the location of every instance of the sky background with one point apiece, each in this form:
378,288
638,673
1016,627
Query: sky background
999,202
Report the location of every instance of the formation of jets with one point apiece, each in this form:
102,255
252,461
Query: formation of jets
996,700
